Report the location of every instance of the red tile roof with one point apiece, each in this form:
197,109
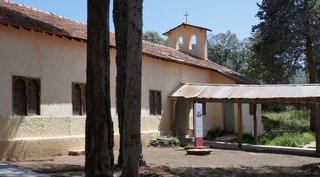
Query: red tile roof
26,17
186,24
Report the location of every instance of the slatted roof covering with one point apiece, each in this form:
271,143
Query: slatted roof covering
302,93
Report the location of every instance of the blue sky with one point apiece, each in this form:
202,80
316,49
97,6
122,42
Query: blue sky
238,16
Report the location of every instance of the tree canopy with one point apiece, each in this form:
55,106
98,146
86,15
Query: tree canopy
286,39
154,37
227,50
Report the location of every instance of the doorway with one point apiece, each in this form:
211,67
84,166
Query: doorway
228,117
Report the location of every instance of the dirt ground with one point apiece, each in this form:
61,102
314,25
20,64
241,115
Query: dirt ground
175,162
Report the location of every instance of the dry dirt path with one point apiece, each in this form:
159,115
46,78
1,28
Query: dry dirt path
175,162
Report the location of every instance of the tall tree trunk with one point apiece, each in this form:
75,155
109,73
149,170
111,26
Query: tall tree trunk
312,76
99,126
120,9
132,119
120,23
142,162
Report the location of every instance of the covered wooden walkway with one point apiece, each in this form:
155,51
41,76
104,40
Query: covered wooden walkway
302,94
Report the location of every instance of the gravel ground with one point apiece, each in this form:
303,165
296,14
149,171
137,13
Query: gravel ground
175,162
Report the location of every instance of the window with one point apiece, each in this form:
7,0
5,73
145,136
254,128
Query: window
25,95
251,108
78,99
155,105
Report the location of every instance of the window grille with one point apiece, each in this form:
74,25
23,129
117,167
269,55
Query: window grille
33,98
155,105
158,103
78,99
25,96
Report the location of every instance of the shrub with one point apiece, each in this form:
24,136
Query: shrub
246,138
215,132
292,139
264,140
165,142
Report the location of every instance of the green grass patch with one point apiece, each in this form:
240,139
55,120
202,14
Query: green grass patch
288,121
219,169
285,139
288,128
292,139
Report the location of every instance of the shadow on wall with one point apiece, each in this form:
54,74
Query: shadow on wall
8,129
36,137
167,122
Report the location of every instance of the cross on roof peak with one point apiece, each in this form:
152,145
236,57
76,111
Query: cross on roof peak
186,15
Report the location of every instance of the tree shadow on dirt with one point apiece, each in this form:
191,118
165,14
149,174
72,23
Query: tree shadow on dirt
57,170
243,171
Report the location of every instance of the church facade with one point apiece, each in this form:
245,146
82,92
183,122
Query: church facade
43,79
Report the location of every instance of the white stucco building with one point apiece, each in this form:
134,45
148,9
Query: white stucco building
43,76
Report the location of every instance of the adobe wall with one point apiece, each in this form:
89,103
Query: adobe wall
58,62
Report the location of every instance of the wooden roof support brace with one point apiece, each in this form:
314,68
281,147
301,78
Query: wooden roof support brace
316,112
255,128
239,125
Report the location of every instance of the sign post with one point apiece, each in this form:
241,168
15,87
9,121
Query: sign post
197,124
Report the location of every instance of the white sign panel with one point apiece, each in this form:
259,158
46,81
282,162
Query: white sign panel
197,119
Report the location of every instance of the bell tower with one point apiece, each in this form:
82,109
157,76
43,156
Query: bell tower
186,32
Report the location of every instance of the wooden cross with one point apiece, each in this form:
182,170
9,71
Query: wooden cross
186,17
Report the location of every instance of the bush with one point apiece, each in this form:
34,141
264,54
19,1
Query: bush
264,140
165,142
292,140
273,108
246,138
214,133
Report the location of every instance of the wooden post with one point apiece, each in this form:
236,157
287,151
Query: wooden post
239,125
173,116
316,112
255,128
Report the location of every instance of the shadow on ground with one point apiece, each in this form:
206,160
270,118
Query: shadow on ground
56,170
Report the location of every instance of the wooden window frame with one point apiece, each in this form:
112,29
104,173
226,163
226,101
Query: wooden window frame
82,98
27,81
157,107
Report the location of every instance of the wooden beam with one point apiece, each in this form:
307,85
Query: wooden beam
28,29
239,125
5,24
316,112
15,26
173,116
48,33
298,102
255,128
